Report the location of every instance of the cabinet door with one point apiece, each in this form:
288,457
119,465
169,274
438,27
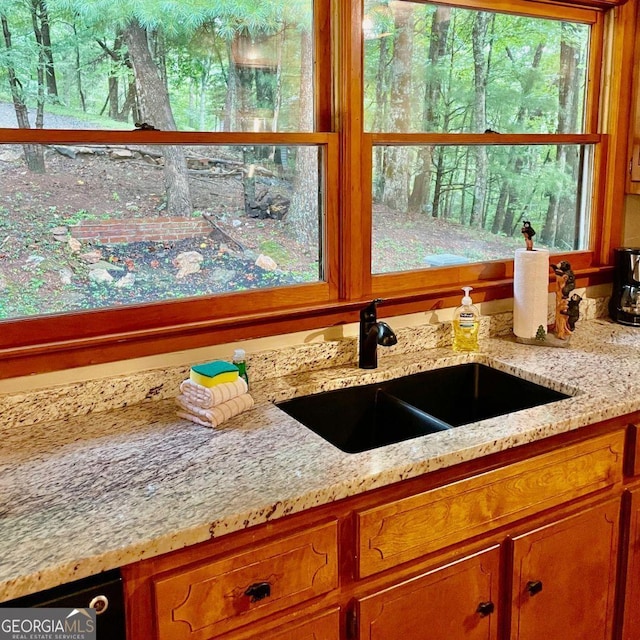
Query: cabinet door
454,602
564,578
631,628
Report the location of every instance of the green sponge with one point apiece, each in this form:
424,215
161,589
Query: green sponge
212,373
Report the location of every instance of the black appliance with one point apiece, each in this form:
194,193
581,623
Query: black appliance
102,592
624,306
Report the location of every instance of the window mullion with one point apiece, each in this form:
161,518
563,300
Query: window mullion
355,224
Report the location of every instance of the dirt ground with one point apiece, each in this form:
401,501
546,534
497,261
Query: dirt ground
41,271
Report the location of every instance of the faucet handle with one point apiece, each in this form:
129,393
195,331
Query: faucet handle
368,314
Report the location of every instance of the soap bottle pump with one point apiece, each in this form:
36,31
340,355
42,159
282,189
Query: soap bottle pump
239,359
466,323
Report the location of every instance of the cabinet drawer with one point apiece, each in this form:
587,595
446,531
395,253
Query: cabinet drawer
404,530
214,597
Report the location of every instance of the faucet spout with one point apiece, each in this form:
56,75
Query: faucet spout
373,332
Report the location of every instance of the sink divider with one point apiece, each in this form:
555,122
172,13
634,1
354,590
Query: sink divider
418,417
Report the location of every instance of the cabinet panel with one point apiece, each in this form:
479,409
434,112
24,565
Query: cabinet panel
631,624
409,528
564,578
325,626
224,593
454,602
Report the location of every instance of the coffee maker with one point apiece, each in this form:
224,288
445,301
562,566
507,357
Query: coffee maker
624,306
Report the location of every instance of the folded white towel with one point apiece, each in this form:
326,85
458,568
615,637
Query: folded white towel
206,397
214,416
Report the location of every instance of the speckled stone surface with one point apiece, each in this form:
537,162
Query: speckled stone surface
97,490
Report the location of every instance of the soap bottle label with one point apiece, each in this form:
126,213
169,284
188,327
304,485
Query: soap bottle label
467,320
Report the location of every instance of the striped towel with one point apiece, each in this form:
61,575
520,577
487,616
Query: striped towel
207,397
214,416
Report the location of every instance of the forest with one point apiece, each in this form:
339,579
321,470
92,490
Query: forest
439,69
239,65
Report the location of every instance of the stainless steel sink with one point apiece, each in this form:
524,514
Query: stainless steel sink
361,418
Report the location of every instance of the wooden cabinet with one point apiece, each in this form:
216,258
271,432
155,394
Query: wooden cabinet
325,626
631,617
564,577
523,547
201,595
454,602
393,533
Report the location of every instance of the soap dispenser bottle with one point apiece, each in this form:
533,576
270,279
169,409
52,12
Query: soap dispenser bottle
466,323
239,359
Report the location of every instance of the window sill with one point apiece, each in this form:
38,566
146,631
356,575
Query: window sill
42,357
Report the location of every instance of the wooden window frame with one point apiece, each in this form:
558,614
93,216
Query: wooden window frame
50,343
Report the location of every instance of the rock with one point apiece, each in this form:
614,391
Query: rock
222,276
107,266
70,152
188,262
65,275
60,233
92,256
100,275
266,263
236,223
10,154
33,262
122,154
125,281
74,244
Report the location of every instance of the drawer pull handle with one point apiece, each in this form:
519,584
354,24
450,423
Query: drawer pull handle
485,609
534,586
258,591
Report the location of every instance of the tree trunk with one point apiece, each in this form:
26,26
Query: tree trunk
396,178
78,71
231,97
380,115
50,70
557,229
440,22
113,100
155,109
303,218
130,105
569,107
33,153
481,73
503,220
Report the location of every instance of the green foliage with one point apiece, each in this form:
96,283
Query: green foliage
274,250
79,216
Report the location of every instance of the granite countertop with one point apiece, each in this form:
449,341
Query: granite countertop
86,493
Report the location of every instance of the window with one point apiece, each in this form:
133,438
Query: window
436,69
180,174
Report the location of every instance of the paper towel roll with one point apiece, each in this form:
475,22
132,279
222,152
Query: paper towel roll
530,292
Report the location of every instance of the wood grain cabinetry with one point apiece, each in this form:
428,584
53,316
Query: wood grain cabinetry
523,547
325,626
631,619
403,530
564,577
455,602
633,175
